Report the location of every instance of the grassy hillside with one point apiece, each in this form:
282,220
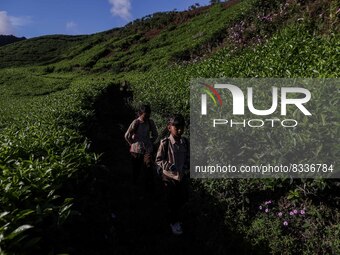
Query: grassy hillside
50,124
8,39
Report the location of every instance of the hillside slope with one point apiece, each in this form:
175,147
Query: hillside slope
169,38
8,39
61,107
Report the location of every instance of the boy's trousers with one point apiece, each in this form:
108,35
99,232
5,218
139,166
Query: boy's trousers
143,163
176,194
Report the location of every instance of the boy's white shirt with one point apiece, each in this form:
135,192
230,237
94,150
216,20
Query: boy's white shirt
137,141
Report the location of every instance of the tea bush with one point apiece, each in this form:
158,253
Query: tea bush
40,148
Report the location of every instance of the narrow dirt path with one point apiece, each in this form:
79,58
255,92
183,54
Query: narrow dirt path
138,219
119,218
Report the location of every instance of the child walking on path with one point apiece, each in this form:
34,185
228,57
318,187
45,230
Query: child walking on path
141,135
173,157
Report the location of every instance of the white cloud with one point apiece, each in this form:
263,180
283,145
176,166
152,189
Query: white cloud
20,21
72,27
8,24
121,8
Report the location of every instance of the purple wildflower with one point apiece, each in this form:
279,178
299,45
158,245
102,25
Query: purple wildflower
302,212
267,210
285,223
279,214
295,211
291,213
268,202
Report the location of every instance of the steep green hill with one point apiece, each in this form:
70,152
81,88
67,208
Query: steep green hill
118,48
60,107
8,39
170,38
38,51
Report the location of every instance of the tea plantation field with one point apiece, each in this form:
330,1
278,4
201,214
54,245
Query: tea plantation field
53,90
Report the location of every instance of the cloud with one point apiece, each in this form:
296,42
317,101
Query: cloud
8,24
72,27
121,8
20,21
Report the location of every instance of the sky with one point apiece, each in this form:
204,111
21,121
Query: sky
32,18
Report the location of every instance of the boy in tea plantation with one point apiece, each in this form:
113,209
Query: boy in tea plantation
173,158
141,135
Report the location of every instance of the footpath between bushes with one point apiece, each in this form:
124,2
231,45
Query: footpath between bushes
119,218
